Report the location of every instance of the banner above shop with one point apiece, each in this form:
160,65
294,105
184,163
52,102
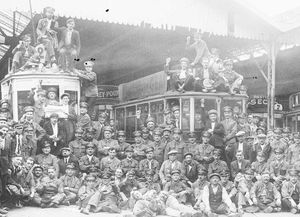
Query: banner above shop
260,104
108,91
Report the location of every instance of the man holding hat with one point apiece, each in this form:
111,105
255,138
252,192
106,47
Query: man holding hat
265,195
215,198
106,143
56,133
67,158
204,152
71,184
129,163
68,46
46,159
149,164
169,165
176,144
290,192
88,80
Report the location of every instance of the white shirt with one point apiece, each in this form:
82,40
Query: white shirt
240,165
205,74
240,146
49,24
55,129
225,198
68,37
213,124
90,158
182,74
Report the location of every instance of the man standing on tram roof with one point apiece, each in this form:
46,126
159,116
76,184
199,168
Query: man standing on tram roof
89,82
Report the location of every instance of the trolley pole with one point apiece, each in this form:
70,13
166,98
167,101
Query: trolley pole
271,83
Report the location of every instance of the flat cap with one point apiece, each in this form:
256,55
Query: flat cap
227,109
29,109
175,108
121,133
175,172
206,134
240,133
261,135
214,174
137,133
65,94
188,153
212,111
52,89
172,152
177,131
84,105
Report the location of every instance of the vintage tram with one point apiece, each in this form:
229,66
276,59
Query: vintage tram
148,96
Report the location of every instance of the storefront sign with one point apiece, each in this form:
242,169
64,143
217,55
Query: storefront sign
154,84
108,91
261,103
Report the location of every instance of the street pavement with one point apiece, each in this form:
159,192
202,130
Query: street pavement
72,211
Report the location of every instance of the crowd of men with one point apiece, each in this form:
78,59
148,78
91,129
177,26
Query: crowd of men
234,167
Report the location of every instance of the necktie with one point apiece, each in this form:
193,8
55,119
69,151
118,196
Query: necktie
66,160
149,165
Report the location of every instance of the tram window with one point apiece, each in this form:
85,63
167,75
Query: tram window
185,114
130,121
156,111
144,109
73,96
46,87
200,117
22,101
120,118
